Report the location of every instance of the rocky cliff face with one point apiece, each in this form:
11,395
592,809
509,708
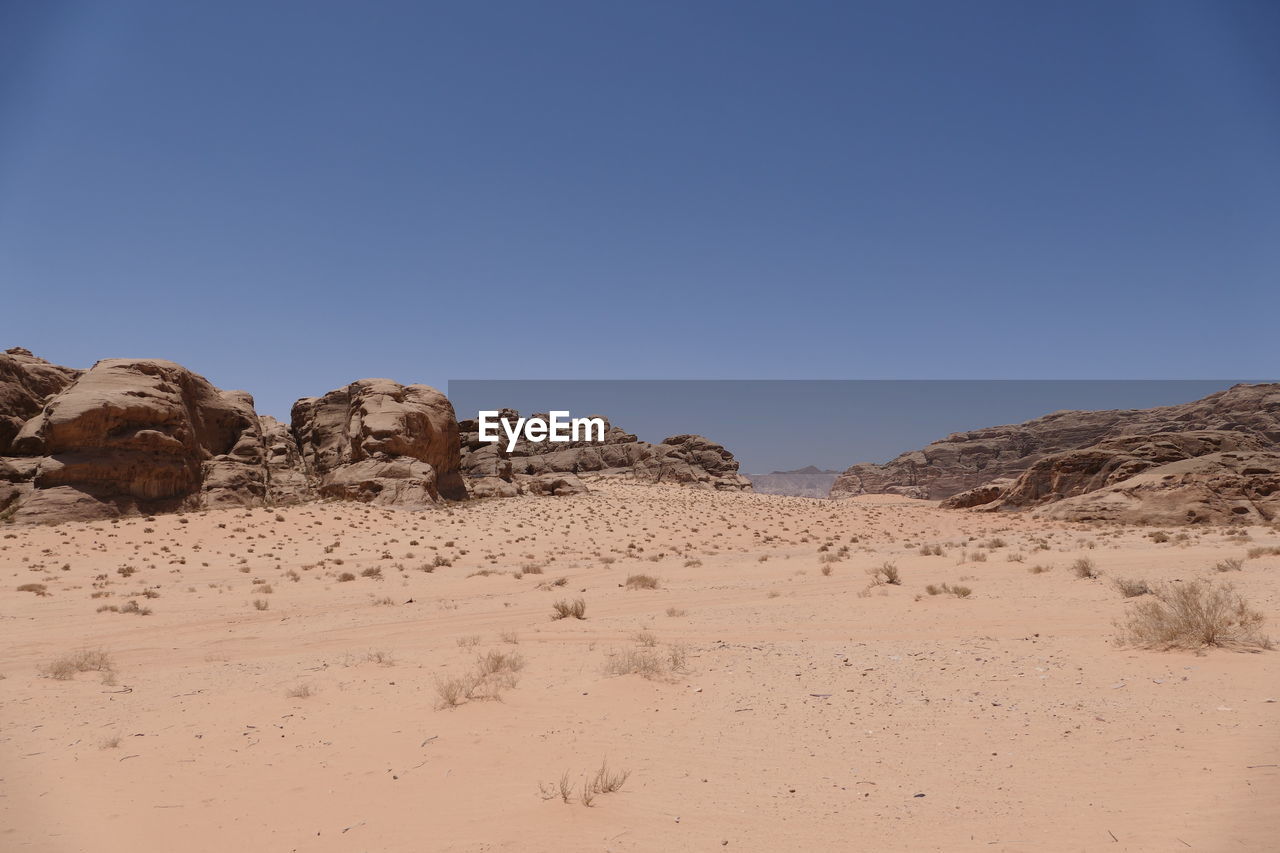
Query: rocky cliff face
559,468
1221,488
381,442
963,461
135,435
148,435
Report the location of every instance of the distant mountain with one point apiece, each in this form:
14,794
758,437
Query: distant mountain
808,482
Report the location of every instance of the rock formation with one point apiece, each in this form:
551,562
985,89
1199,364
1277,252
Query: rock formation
382,442
559,468
133,435
965,460
1232,487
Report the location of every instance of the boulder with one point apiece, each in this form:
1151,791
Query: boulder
379,441
139,435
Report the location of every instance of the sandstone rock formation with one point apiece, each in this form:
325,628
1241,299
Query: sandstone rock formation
382,442
140,435
26,384
962,461
558,468
1232,487
808,482
148,435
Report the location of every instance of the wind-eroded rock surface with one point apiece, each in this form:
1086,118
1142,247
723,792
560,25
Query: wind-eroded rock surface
148,435
135,435
382,442
1067,453
559,468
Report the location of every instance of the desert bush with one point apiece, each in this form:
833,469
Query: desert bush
1085,568
38,588
1040,569
886,572
1131,588
302,691
563,609
261,604
642,582
1263,551
1193,615
85,660
647,662
1231,564
949,589
345,577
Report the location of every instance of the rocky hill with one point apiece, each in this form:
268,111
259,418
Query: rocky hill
140,436
560,468
964,460
808,482
1133,457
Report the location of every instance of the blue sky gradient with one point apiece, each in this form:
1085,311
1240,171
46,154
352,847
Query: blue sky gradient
287,196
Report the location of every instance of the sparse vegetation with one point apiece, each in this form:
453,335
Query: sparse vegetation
86,660
1131,588
949,589
642,582
886,572
1195,614
563,609
1085,568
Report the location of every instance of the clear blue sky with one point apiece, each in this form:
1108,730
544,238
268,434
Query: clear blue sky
286,196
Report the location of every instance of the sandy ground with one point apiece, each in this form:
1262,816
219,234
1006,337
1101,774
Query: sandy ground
787,709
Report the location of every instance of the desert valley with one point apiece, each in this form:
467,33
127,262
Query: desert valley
366,630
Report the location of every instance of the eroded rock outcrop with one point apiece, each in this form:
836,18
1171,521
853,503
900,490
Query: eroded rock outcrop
26,384
148,435
136,435
560,467
962,461
1232,487
380,442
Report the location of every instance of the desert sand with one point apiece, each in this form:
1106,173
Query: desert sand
776,707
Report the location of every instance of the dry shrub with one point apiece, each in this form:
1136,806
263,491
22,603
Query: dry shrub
642,582
949,589
563,609
38,588
86,660
1194,615
886,573
1085,568
494,672
1231,564
647,662
1131,588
